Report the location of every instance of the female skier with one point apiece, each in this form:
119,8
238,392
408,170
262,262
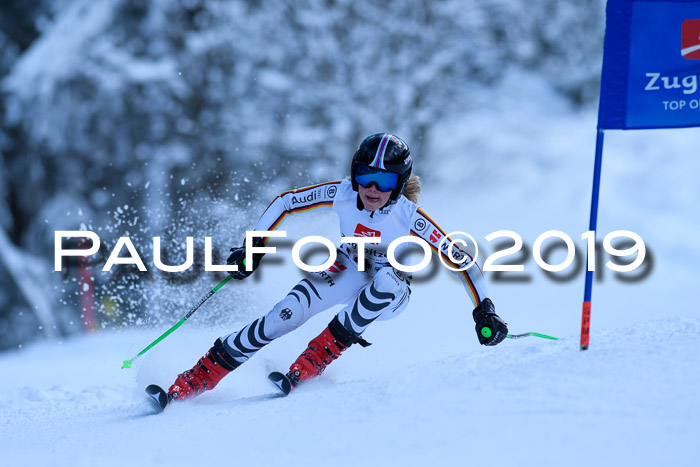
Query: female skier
378,201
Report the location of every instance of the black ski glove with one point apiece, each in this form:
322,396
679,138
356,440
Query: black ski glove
490,329
237,257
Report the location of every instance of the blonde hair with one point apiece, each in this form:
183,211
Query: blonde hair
413,189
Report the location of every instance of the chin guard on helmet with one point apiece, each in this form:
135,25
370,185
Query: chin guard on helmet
384,152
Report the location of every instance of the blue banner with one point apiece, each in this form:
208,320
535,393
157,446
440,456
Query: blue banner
651,65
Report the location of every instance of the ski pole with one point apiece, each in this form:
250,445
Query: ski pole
534,334
127,363
486,332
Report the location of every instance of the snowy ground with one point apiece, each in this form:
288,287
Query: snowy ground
426,393
631,401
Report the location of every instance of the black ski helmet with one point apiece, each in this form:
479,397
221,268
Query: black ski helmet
387,152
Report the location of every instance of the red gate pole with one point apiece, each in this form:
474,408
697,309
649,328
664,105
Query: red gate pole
86,284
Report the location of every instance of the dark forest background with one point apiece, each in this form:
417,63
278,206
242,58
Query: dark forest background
184,117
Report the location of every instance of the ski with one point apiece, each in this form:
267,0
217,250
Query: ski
281,381
158,397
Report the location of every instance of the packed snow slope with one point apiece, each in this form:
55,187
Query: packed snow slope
631,401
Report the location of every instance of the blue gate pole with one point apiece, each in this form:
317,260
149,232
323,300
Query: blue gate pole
586,314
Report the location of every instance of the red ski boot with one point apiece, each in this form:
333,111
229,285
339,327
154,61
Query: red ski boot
321,351
205,375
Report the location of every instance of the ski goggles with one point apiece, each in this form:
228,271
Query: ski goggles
366,175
